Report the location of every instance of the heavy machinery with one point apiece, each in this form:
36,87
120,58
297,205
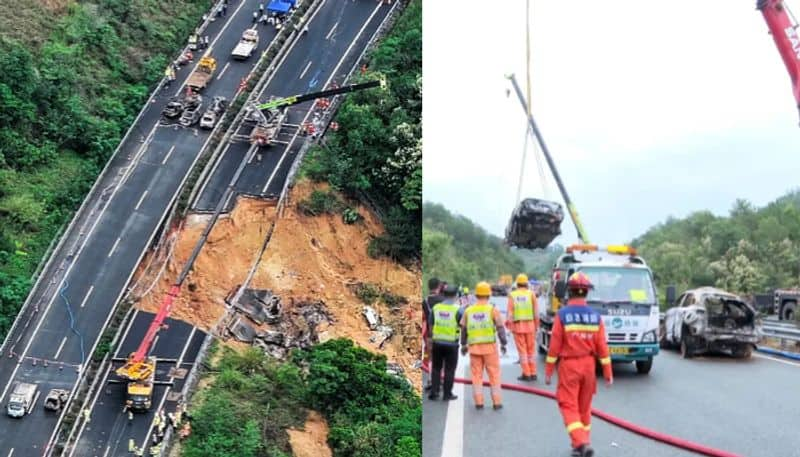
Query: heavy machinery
200,77
22,399
246,45
783,29
269,117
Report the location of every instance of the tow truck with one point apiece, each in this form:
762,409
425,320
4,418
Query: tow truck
624,293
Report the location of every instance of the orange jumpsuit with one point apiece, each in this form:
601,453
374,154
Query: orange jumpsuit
578,338
484,355
524,334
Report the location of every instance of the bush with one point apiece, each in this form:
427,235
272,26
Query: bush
351,216
367,293
320,202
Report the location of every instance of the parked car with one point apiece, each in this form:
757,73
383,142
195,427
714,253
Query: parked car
708,319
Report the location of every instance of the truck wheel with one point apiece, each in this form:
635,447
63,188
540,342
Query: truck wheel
644,366
743,352
788,311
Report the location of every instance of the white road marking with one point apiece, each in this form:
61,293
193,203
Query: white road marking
114,248
11,452
774,359
60,347
166,157
91,408
153,346
223,70
141,199
108,448
330,34
453,438
305,70
333,74
91,288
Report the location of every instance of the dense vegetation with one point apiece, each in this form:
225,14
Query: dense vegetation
539,262
378,149
253,399
70,86
457,250
749,251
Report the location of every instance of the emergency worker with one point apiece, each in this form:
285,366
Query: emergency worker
578,339
445,317
522,320
481,327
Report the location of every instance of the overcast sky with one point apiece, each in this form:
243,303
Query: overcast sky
649,108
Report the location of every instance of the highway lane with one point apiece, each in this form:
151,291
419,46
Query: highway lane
337,35
718,401
109,430
101,252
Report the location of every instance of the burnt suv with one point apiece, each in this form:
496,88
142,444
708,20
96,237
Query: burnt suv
710,320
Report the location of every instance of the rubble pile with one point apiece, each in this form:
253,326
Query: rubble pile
279,329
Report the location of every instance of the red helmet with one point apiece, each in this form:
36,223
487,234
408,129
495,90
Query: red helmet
579,281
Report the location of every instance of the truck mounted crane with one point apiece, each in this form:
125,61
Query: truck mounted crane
783,28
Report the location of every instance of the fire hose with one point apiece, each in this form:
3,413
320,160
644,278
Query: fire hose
630,426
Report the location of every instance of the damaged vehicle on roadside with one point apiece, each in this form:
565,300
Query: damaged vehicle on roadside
708,319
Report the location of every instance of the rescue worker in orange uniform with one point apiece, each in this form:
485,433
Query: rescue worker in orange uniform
522,320
578,339
481,327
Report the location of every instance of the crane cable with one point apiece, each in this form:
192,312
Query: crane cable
528,132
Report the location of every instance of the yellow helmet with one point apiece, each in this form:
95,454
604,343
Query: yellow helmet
483,289
522,279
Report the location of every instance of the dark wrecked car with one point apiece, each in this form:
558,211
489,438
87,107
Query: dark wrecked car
710,320
534,224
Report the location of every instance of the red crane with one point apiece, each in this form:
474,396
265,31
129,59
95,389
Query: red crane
783,28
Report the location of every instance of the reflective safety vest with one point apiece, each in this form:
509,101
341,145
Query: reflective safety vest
523,305
480,324
445,322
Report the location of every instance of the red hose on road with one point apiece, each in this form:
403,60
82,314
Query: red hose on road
639,430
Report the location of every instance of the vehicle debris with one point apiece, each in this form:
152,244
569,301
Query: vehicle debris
708,319
242,331
259,305
534,224
176,106
373,320
56,399
382,334
218,106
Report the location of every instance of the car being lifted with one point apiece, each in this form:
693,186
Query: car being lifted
710,320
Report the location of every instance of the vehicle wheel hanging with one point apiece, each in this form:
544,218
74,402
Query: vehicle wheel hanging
644,366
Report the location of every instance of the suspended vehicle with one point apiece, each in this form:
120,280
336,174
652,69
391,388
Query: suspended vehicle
535,223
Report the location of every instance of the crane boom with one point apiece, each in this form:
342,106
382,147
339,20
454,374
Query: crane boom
784,31
570,206
295,99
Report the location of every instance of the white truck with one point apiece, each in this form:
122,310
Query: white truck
22,399
247,45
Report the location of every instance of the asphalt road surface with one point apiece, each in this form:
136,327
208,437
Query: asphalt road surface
748,407
338,33
75,297
109,430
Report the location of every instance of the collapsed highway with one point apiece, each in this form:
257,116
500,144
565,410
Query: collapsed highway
88,272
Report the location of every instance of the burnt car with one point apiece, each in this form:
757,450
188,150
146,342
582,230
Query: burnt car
708,319
213,113
534,224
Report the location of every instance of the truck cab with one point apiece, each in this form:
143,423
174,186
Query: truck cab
624,294
22,399
140,393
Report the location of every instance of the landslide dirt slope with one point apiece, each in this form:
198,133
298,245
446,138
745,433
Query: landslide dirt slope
308,259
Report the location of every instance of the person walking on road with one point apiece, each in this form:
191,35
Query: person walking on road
522,321
255,17
445,317
578,337
434,297
481,327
